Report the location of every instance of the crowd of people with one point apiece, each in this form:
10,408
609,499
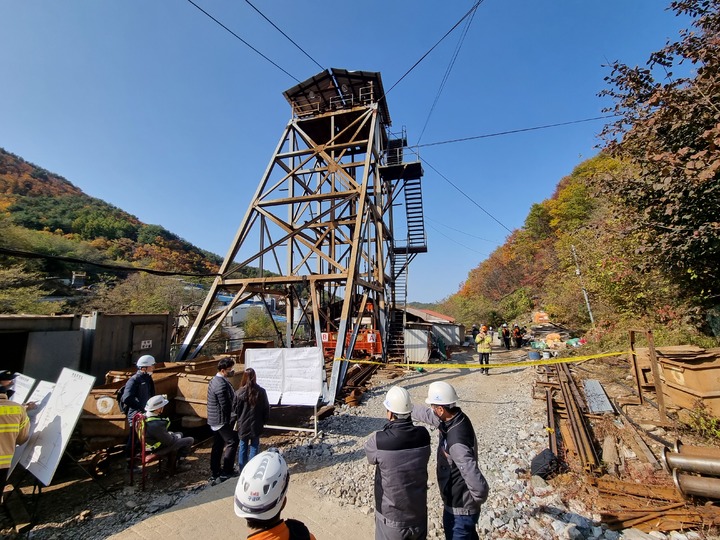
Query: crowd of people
400,451
236,418
509,338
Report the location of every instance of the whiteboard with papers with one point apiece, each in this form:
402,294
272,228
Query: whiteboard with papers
289,376
55,424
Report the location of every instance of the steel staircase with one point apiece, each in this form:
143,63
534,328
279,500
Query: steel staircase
405,174
417,238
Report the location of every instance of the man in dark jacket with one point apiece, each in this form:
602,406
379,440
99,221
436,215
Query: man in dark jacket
463,487
400,452
219,411
140,387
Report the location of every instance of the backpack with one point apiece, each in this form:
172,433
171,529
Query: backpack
121,404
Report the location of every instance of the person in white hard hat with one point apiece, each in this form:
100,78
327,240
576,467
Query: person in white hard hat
260,496
160,441
400,453
140,387
463,487
506,336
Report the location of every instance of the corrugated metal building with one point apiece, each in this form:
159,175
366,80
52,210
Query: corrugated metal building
40,346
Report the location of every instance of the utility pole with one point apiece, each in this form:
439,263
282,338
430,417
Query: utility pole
582,285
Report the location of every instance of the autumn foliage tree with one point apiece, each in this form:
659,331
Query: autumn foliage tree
669,130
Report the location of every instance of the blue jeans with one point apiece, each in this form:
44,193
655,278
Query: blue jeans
248,449
460,527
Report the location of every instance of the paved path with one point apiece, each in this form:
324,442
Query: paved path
209,515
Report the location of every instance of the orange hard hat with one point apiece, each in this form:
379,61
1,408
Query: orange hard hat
484,328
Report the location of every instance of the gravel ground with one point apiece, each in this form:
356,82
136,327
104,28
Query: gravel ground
510,428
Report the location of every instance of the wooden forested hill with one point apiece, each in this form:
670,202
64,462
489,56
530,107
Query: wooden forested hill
43,212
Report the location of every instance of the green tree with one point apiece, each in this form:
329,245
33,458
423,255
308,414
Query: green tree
258,324
22,292
143,293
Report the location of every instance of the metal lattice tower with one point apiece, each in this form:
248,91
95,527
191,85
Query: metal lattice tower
320,224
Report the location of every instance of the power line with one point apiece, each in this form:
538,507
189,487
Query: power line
446,76
466,195
458,243
463,232
243,41
510,132
284,34
470,11
32,255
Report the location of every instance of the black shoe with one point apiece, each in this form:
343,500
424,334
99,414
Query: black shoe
224,476
180,468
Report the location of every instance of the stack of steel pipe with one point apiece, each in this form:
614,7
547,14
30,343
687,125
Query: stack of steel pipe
703,466
577,424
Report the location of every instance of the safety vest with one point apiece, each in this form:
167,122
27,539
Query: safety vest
156,445
483,343
14,424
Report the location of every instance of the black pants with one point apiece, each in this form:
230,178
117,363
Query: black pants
224,451
506,340
3,481
484,359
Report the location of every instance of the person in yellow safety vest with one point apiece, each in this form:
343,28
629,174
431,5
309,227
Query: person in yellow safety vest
14,429
483,341
159,440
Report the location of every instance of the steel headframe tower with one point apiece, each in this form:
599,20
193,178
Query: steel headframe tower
319,229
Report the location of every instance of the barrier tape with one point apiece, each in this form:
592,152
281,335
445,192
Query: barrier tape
524,363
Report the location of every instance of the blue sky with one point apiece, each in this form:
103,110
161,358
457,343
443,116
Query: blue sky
156,109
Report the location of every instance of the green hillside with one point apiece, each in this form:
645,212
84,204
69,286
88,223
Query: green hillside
46,224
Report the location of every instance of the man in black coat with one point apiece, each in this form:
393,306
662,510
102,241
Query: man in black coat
219,413
400,452
140,387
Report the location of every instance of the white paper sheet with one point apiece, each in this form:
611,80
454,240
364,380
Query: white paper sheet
289,376
23,386
56,423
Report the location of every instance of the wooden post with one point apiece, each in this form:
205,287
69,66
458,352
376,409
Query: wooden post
636,373
656,377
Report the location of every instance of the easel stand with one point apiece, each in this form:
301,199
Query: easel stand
313,430
16,504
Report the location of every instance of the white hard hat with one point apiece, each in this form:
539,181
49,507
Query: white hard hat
155,403
146,360
398,401
262,486
441,393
